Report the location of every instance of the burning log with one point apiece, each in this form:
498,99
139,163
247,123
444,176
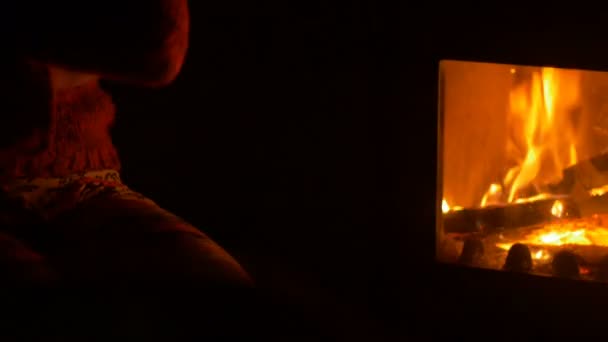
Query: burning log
498,218
586,182
584,175
586,186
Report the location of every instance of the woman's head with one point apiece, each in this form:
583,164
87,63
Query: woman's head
142,42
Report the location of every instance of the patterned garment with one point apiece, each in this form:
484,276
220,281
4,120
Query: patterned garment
93,227
46,198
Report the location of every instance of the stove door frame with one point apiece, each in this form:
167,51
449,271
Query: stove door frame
473,302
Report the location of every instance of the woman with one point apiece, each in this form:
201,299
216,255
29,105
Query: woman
66,214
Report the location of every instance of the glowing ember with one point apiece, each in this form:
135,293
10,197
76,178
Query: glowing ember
576,237
560,234
541,255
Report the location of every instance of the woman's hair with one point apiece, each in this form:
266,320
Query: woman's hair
136,41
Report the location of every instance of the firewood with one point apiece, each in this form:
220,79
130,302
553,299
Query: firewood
497,218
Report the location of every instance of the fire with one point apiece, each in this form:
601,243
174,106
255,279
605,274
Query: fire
445,207
543,142
564,233
598,191
541,254
557,209
492,196
576,237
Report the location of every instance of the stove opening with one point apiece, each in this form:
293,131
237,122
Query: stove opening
523,169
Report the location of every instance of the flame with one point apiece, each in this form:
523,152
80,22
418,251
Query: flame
533,198
557,209
546,139
492,195
445,207
577,237
573,155
541,254
599,191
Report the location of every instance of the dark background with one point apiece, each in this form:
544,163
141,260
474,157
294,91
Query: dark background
277,140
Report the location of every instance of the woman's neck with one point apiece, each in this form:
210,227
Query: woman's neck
63,79
74,134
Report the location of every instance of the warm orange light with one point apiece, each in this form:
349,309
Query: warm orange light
445,207
543,135
557,209
599,191
492,196
564,233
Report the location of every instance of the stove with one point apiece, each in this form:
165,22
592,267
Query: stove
524,169
522,177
